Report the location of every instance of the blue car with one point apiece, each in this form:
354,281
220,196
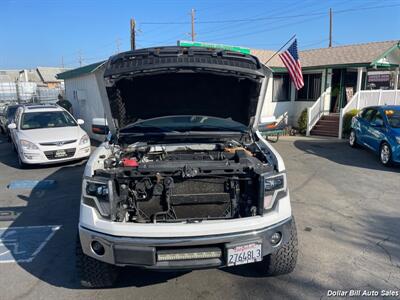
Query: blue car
378,128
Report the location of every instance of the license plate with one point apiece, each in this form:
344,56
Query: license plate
60,153
244,254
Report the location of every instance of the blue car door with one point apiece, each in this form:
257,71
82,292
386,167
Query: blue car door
376,131
364,121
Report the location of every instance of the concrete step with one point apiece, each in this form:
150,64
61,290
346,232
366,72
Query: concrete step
330,122
330,118
324,132
326,128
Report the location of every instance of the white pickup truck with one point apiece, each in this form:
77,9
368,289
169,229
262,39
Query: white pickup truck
184,180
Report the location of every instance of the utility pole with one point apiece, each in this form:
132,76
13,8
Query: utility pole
62,62
330,27
133,34
80,58
193,34
118,44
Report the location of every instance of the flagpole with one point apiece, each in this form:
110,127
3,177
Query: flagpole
280,49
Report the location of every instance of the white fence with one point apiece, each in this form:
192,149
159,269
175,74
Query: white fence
369,98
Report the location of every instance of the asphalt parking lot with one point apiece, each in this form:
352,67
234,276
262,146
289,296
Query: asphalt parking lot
347,212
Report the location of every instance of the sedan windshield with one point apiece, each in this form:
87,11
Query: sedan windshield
393,117
48,119
184,124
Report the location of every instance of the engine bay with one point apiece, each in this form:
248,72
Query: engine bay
182,182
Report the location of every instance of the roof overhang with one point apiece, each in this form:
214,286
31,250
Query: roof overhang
81,71
389,58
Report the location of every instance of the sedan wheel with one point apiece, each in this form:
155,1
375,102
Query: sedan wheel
21,164
386,154
353,139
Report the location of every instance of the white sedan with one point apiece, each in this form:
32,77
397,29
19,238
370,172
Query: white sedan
44,134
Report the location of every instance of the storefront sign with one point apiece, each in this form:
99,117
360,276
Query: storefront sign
379,76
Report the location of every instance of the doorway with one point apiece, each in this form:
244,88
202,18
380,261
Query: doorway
344,83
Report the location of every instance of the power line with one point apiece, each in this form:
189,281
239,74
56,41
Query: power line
264,18
253,32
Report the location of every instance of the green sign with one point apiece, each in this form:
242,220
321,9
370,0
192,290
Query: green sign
214,46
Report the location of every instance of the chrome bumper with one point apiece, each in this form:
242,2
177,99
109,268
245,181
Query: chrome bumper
131,251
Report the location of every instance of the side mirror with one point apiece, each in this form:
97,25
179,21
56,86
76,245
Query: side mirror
100,126
12,126
80,122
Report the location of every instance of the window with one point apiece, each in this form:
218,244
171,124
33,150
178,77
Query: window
368,114
393,117
377,119
281,88
311,89
50,119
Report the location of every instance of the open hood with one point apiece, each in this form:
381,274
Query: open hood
166,81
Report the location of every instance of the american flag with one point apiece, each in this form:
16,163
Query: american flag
290,59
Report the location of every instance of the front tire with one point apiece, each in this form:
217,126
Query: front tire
92,272
284,260
385,154
21,164
353,139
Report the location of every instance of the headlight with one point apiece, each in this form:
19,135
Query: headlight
398,139
274,188
84,140
98,193
26,145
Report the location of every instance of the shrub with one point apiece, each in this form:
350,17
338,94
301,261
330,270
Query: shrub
302,121
347,121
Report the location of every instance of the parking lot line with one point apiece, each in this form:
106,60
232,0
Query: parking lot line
31,184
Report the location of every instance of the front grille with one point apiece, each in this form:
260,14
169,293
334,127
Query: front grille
52,154
58,143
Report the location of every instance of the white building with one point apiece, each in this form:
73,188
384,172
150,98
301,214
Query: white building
84,88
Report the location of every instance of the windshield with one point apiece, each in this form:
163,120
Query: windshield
393,117
183,124
48,119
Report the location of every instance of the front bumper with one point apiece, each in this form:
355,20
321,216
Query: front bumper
142,252
39,156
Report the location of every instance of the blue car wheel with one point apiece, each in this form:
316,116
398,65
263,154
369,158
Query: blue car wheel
385,154
353,139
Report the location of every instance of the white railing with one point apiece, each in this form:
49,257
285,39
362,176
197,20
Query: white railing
315,112
369,98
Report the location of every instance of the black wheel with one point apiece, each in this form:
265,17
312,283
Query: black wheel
353,139
385,154
92,272
284,260
21,164
13,147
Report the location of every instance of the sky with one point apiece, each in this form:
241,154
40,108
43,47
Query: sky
53,33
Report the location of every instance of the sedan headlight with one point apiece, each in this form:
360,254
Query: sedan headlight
273,188
398,139
26,145
98,194
84,140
